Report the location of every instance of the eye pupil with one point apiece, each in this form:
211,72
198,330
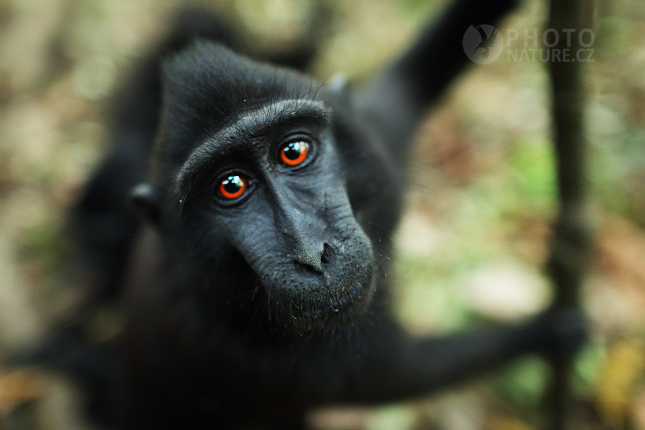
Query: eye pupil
293,150
232,184
294,153
232,187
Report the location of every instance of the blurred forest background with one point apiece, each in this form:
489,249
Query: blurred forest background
473,243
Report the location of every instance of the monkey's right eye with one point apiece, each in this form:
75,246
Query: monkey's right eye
232,186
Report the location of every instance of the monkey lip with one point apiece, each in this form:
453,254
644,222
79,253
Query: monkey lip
353,297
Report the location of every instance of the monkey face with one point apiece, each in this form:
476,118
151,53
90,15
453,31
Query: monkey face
260,166
270,186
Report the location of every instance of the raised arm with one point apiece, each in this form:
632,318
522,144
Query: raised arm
397,99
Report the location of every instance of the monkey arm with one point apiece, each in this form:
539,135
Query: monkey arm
396,100
410,367
419,367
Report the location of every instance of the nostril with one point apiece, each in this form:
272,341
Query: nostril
326,255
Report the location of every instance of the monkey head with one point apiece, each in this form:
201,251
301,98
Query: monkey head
254,161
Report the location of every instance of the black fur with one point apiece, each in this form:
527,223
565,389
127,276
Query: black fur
247,313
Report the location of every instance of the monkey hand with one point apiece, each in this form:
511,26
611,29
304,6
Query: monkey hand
557,331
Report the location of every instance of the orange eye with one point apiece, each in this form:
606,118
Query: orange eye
294,153
232,187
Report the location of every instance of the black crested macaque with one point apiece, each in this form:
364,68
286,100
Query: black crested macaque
256,288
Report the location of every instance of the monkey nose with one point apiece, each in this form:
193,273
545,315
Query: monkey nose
310,259
314,258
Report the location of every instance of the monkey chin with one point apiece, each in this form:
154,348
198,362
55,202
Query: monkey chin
331,311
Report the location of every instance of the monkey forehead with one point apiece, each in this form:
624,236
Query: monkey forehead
246,129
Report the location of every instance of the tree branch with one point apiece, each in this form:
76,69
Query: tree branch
571,243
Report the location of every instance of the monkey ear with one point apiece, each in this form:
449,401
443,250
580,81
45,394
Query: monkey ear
143,199
339,86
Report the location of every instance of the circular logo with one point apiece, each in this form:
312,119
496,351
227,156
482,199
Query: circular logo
483,43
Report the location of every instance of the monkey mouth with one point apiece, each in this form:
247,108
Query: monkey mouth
321,302
337,312
350,299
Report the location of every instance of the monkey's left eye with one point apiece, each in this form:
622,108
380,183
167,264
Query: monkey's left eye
232,186
294,153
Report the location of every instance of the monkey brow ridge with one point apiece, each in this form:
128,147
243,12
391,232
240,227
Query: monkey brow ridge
250,124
